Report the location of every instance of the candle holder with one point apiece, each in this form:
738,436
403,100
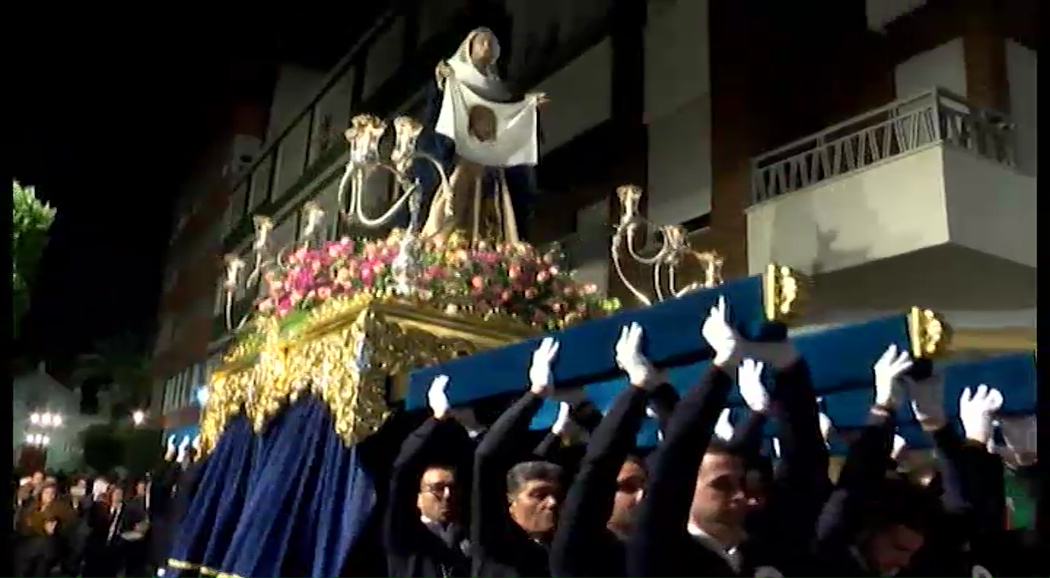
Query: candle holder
673,252
364,161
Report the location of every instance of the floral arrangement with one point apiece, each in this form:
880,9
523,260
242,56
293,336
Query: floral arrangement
487,280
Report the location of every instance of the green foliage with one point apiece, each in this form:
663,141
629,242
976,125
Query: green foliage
102,448
30,221
121,368
108,445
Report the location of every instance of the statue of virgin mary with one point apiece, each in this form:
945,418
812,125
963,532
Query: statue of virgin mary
487,142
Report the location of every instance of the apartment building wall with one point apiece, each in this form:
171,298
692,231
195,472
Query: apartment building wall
181,352
676,96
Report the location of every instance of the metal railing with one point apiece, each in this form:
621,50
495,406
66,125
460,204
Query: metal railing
934,116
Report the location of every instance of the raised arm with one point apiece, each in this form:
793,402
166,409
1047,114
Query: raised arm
866,460
661,528
589,502
402,514
496,453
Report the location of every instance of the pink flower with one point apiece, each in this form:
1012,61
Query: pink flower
324,292
513,272
266,306
343,275
477,282
542,277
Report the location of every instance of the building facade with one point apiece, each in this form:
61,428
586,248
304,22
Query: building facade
885,147
47,422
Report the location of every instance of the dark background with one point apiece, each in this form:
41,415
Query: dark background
110,110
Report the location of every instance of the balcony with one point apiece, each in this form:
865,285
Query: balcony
915,202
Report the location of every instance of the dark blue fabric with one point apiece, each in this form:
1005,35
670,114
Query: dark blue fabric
672,334
242,443
288,502
223,466
306,503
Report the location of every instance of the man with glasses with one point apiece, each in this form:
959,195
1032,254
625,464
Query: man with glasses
422,531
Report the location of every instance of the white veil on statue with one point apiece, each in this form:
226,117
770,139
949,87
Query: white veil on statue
486,83
491,133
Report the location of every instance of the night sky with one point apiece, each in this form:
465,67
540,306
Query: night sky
107,121
114,109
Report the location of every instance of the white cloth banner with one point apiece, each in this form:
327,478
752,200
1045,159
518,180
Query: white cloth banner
515,127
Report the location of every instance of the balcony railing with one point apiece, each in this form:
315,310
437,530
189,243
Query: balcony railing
935,116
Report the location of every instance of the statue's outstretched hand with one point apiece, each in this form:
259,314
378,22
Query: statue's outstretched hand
538,98
442,73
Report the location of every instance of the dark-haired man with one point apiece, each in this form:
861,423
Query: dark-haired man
873,525
598,515
422,531
691,521
514,507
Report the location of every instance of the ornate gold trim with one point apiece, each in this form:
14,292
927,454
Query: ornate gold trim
928,332
344,352
784,292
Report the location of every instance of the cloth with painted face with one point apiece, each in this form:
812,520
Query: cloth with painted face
485,139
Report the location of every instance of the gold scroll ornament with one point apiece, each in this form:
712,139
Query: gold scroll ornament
345,353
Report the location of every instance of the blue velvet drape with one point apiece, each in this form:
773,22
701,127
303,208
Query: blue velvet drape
288,502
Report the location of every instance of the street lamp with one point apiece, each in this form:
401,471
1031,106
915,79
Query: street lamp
38,440
46,419
138,416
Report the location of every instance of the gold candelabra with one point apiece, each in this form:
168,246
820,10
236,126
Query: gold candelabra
673,252
365,160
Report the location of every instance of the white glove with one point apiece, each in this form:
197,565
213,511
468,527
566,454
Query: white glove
927,400
776,448
630,359
183,447
825,423
541,377
437,398
1020,434
899,444
169,449
826,427
724,429
976,408
721,337
562,422
749,381
889,370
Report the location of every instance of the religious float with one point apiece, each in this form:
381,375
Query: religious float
347,336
